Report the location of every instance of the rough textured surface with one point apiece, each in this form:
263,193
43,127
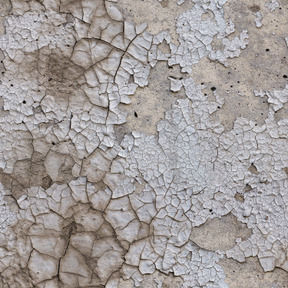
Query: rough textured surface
143,143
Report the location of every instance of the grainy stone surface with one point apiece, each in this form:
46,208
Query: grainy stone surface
143,143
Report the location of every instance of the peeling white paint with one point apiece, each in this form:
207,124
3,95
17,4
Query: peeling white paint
80,207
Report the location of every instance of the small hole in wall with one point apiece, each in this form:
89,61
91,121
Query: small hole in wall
24,101
50,79
211,210
213,89
53,143
285,76
135,114
267,50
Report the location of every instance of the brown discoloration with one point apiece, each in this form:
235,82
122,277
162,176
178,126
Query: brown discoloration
58,71
253,169
27,173
239,197
13,276
254,8
286,170
59,77
247,188
5,7
12,185
32,172
164,3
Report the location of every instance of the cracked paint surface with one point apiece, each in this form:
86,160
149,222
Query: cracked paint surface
90,198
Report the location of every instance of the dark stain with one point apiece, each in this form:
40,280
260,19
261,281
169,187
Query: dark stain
164,3
247,188
253,169
27,173
239,197
286,171
60,72
12,185
254,8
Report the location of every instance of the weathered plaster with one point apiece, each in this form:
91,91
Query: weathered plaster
128,155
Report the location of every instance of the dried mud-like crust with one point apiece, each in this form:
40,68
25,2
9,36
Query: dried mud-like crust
132,156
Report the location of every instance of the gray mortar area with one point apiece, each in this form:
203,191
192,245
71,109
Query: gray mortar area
143,144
